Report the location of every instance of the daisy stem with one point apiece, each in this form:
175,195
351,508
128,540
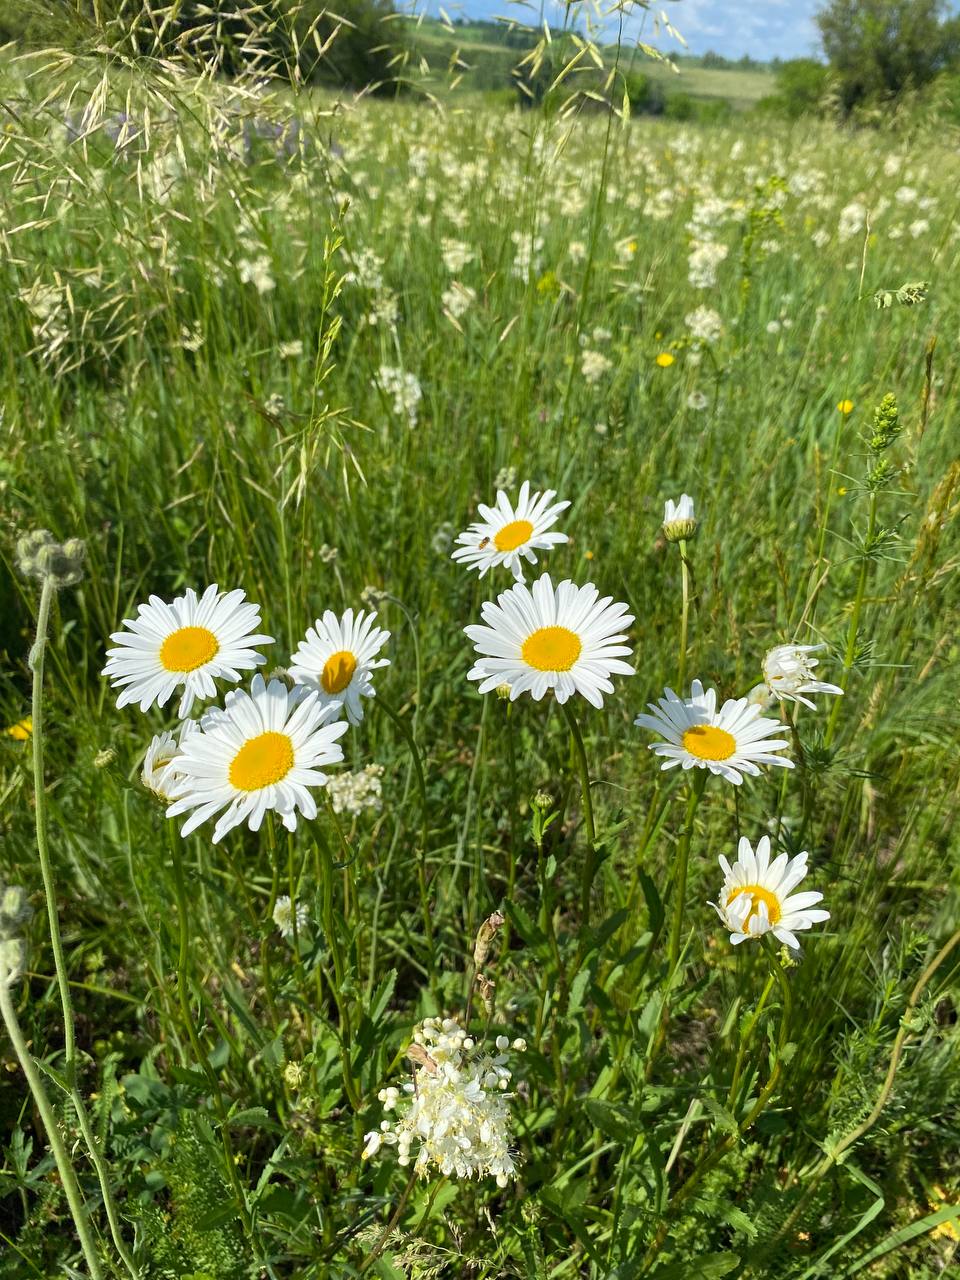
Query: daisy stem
684,615
676,930
36,662
339,985
583,768
183,994
424,833
68,1177
745,1039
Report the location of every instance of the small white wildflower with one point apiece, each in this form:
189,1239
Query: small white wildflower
679,520
283,916
594,365
355,792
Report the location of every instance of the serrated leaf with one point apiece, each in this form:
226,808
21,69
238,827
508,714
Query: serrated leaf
709,1266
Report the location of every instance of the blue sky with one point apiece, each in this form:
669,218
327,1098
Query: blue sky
762,28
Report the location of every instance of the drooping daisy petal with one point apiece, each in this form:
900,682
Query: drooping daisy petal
508,535
564,639
788,671
191,642
159,771
264,750
731,742
757,895
336,658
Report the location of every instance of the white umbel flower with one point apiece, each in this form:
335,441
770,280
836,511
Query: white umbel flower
264,750
730,742
159,772
456,1112
507,535
565,639
191,642
789,673
757,895
679,521
336,658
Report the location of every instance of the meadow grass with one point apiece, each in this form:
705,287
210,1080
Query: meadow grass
293,360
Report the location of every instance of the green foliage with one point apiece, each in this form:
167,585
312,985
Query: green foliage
879,49
208,337
801,86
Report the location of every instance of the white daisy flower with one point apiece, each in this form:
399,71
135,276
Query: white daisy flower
190,642
336,658
788,672
562,638
730,742
159,772
509,535
262,751
679,521
757,895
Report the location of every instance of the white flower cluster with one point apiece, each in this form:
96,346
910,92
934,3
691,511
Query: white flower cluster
457,1109
405,389
354,792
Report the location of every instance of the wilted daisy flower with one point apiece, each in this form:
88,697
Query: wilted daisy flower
565,638
456,1111
508,535
283,916
730,742
679,522
756,895
263,750
159,773
190,642
336,658
788,673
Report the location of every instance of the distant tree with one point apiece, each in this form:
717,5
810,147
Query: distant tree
877,49
714,61
801,85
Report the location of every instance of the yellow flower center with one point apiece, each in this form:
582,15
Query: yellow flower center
551,649
261,761
338,671
707,742
513,535
757,894
188,648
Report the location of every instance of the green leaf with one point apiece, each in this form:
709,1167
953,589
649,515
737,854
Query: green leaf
257,1117
708,1266
948,1213
613,1121
531,933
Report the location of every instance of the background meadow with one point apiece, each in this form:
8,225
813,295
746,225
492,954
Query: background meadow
284,340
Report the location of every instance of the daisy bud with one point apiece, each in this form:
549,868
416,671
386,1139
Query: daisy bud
104,758
485,936
543,800
679,521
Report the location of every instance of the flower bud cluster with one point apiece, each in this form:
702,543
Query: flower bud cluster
886,424
454,1115
354,792
40,556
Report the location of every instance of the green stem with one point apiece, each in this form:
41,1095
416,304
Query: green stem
684,616
676,930
183,994
583,770
424,832
338,986
851,650
37,656
381,1244
68,1177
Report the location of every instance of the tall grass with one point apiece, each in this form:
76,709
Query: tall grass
219,300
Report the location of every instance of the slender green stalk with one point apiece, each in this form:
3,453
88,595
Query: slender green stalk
684,616
338,986
424,830
78,1210
583,770
852,631
183,993
388,1230
37,663
683,857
